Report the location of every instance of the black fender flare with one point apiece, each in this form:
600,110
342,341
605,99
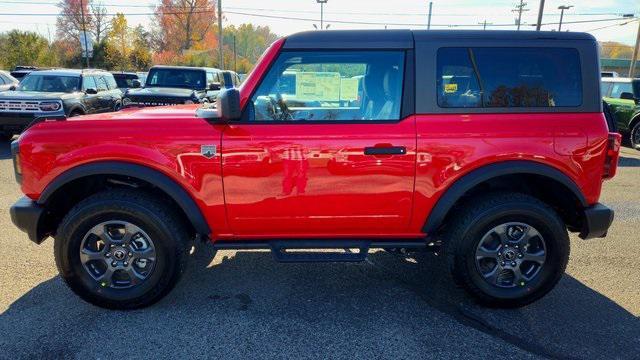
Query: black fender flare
484,173
147,174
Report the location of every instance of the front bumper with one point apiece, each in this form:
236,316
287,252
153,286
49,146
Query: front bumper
597,220
26,214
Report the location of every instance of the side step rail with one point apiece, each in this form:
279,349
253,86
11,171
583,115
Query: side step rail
319,250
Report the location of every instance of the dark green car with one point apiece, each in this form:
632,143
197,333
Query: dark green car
623,97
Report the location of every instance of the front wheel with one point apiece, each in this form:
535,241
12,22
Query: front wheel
507,249
121,249
635,136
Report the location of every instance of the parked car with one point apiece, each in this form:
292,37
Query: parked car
173,85
230,79
623,97
57,93
125,80
20,72
7,81
609,74
495,168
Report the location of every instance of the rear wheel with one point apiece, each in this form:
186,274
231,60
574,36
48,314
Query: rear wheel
508,249
634,137
121,249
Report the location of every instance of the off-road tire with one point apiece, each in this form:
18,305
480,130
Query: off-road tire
635,133
480,215
164,226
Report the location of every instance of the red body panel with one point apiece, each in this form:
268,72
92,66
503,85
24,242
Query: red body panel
313,180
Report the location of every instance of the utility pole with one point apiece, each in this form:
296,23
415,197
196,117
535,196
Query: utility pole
429,18
540,11
634,58
562,8
484,24
519,9
220,45
84,30
235,55
322,2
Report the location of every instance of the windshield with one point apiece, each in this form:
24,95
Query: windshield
181,78
50,83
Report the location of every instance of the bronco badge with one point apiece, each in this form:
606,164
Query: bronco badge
208,151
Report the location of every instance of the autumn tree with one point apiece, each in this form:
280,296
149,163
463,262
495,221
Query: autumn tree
140,56
181,24
25,48
69,23
615,50
119,43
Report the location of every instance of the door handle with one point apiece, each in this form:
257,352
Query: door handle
385,150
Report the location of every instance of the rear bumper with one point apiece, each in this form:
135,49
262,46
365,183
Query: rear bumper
26,214
597,220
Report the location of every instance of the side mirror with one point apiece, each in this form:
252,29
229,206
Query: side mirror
627,96
12,88
91,91
227,108
136,84
214,86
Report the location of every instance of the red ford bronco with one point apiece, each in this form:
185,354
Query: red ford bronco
492,144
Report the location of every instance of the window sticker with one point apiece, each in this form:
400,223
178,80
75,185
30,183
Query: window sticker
450,88
349,89
318,86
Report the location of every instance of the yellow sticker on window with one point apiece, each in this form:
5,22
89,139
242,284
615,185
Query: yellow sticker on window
450,88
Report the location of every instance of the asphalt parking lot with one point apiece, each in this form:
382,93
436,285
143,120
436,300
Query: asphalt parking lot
245,305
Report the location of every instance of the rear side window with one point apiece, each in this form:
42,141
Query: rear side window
102,83
508,77
111,82
618,88
604,88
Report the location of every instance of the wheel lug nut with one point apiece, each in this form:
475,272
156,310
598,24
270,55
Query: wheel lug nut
125,263
114,263
520,256
513,263
517,247
506,245
130,254
107,254
499,253
502,263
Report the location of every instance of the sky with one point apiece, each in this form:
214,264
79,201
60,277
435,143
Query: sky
288,16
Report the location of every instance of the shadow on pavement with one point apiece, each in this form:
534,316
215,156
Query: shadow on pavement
628,161
247,305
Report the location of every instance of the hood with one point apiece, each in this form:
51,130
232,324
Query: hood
160,91
176,112
36,95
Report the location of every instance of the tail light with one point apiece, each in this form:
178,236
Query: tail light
612,154
17,163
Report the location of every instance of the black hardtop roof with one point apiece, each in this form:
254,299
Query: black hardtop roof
404,39
184,68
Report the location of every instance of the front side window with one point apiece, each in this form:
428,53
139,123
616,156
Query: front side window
619,87
331,86
508,77
50,83
89,82
177,78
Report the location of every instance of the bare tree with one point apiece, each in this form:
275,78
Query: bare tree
100,24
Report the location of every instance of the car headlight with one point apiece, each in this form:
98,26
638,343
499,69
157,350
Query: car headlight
188,102
49,106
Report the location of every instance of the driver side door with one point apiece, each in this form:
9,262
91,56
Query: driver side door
325,148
